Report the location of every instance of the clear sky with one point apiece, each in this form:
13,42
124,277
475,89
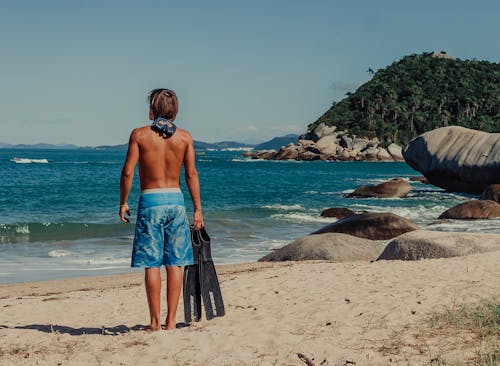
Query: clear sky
79,71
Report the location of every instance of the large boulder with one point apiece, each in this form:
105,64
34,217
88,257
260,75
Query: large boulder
394,188
338,212
328,145
438,244
333,247
264,154
477,209
456,158
309,156
287,153
372,225
319,131
383,155
371,154
492,192
396,152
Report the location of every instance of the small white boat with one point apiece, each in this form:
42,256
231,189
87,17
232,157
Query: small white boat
29,161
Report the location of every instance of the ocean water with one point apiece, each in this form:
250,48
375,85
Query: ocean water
58,208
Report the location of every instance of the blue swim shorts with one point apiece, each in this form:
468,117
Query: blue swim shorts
162,235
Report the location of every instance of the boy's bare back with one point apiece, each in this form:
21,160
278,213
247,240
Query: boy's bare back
161,159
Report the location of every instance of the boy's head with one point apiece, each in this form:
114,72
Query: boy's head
163,104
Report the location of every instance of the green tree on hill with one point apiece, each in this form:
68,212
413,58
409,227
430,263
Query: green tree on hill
420,93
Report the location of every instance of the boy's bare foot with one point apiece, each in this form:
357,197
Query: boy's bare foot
151,328
169,326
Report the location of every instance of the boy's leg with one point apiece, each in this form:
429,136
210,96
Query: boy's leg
174,287
153,292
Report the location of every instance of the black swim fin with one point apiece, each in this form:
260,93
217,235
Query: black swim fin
209,283
191,293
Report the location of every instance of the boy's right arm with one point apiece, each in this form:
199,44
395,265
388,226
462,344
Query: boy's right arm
193,183
127,176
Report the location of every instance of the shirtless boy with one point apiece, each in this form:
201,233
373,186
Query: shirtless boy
162,235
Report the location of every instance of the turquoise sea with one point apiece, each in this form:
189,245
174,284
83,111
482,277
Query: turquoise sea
58,213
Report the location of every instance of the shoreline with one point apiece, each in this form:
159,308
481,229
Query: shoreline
110,281
373,313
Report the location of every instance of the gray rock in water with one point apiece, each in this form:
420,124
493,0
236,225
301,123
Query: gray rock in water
438,244
338,212
393,188
477,209
492,192
333,247
373,225
456,158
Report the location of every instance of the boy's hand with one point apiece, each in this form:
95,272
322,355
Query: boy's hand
124,210
198,220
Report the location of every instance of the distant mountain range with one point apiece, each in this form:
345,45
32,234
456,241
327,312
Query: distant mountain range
38,146
275,143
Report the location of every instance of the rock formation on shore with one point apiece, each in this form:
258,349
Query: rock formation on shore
393,188
476,209
331,246
492,192
325,143
456,158
421,244
373,225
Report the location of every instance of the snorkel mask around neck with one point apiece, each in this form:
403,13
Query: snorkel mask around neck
164,127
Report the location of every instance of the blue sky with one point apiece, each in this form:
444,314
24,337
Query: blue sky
79,72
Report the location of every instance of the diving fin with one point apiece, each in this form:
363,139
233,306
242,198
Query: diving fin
191,293
209,283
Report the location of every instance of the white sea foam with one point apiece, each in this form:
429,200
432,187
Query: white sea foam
97,268
302,218
246,160
237,149
324,193
485,226
29,161
101,261
22,229
283,207
59,253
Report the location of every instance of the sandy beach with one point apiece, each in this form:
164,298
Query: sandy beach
330,313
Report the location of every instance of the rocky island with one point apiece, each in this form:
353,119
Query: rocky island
416,94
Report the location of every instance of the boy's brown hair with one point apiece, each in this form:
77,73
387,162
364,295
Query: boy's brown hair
163,104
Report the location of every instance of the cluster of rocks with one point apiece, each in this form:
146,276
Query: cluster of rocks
356,236
325,143
454,158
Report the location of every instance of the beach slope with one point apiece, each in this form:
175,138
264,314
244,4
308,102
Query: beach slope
288,313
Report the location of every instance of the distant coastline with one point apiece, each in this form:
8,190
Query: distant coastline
276,143
199,145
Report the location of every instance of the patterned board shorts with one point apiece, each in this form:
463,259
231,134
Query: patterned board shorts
162,235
